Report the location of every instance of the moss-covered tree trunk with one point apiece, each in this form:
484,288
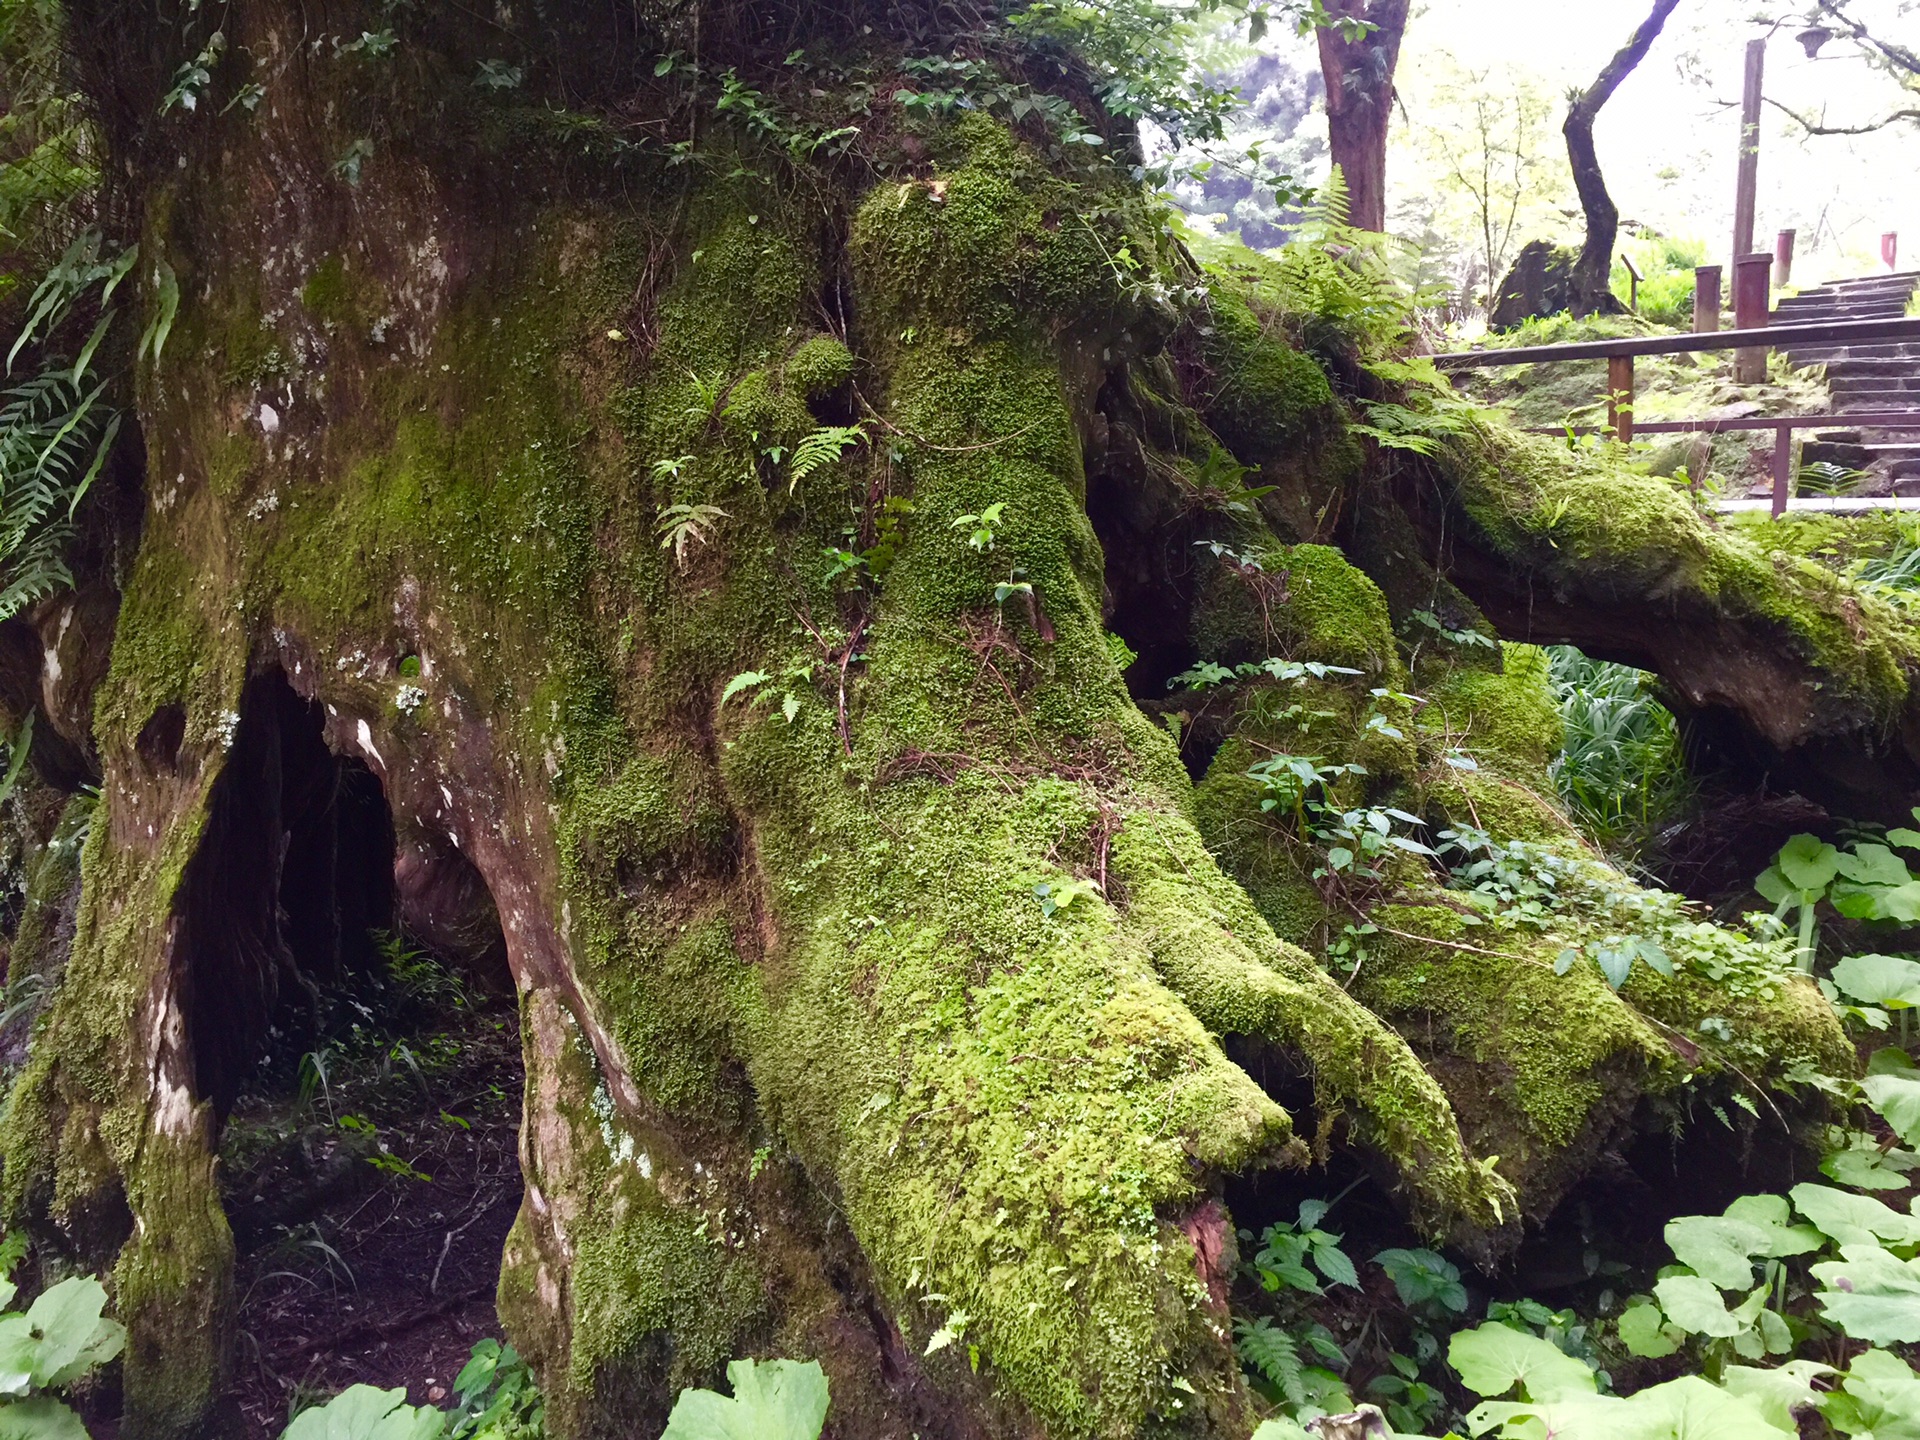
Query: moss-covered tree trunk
895,953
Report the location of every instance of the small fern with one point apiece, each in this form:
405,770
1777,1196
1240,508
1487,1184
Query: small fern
682,525
822,447
1273,1355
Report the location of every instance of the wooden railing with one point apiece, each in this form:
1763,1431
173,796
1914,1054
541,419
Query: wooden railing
1620,355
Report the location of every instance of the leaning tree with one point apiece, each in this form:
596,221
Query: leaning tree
943,682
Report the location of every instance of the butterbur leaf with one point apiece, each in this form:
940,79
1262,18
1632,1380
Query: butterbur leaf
1863,1165
1906,839
1873,865
1720,1249
772,1400
1693,1303
365,1412
1879,980
1777,1393
73,1335
1643,1330
43,1418
1871,1294
1492,1359
1881,1398
1848,1218
1808,863
1691,1408
19,1347
1773,886
1892,1087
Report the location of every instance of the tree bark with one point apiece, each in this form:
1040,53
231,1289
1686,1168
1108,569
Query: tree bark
1359,76
1593,288
884,973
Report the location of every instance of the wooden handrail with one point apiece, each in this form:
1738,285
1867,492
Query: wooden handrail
1620,355
1827,332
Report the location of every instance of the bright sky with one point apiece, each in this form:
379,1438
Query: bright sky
1668,149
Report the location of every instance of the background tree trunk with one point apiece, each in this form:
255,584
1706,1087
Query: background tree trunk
1359,76
1592,274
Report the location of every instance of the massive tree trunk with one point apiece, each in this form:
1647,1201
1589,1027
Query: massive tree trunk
1592,273
1359,76
880,960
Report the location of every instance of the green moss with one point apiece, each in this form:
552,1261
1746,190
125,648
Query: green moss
173,1288
1305,603
819,367
1509,714
1579,520
1266,397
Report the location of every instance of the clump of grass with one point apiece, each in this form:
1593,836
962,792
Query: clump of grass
1893,577
1621,772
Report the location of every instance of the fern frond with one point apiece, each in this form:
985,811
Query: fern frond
823,447
1273,1355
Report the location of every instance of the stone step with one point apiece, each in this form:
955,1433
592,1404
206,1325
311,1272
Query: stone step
1888,380
1789,314
1876,350
1873,365
1877,290
1850,297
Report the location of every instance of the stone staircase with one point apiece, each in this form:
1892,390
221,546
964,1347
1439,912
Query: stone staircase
1883,376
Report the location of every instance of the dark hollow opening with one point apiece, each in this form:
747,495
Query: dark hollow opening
292,878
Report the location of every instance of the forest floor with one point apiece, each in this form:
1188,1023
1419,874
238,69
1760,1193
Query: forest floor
370,1200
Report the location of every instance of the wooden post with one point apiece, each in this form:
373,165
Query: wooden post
1782,468
1633,282
1783,258
1706,299
1620,397
1750,296
1747,185
1890,249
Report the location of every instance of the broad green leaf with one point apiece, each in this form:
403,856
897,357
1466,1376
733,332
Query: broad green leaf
1872,1294
1336,1265
1281,1428
1571,1417
1694,1409
1879,979
73,1336
19,1348
1686,1409
1878,902
1774,887
1871,864
1777,1393
1719,1248
1694,1304
1643,1330
1847,1217
1808,863
1881,1398
365,1412
1494,1358
1892,1087
772,1400
1863,1165
1903,837
41,1418
1774,1214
